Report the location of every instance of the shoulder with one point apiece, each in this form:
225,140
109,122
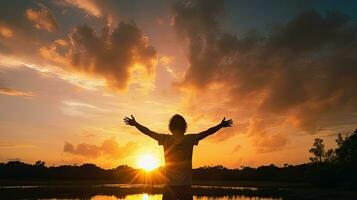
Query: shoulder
192,137
163,135
161,138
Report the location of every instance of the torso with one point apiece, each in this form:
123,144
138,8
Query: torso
178,159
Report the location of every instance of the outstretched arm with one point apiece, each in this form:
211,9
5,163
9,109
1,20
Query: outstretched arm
224,123
132,122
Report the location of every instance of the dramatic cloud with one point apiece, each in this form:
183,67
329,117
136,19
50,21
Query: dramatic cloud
42,19
113,55
301,73
110,148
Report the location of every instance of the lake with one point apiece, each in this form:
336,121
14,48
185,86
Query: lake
82,190
145,196
131,192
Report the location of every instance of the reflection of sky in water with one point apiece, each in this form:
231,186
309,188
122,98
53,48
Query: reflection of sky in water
139,186
144,196
129,197
159,196
194,186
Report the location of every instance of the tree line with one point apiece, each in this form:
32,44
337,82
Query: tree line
332,167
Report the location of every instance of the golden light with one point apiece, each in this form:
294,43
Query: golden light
145,197
148,162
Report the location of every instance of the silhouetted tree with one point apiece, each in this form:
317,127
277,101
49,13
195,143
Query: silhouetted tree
330,156
347,151
320,155
335,166
340,140
318,149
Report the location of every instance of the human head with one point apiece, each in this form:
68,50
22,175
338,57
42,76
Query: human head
177,124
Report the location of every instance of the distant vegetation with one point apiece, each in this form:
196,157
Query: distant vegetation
333,167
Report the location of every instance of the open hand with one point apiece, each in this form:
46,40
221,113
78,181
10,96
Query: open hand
226,123
130,121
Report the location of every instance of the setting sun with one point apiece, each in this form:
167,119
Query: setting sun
148,162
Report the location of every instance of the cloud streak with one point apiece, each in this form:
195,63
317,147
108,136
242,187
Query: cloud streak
92,7
14,92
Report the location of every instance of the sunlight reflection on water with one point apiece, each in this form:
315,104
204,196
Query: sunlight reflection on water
129,197
119,185
159,196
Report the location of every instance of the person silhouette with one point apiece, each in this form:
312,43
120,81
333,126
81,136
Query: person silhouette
178,148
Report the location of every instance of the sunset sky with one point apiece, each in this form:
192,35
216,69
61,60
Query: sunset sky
71,70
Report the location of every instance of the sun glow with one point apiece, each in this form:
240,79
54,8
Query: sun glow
148,162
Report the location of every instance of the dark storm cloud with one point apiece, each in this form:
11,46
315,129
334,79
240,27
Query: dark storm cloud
304,70
197,21
109,148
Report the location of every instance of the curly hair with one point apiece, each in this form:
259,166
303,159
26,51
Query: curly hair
178,123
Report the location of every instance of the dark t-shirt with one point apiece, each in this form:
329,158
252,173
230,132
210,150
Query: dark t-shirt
178,158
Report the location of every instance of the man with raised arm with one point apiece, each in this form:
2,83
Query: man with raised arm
178,153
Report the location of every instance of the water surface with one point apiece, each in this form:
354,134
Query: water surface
131,192
145,196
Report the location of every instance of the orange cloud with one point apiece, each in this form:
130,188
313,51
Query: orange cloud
13,92
114,55
42,19
270,143
109,149
92,7
5,31
167,60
